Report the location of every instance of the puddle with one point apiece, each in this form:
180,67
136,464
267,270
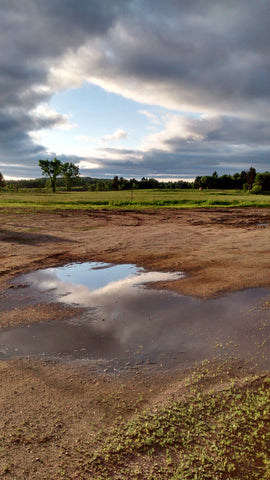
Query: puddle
127,324
93,284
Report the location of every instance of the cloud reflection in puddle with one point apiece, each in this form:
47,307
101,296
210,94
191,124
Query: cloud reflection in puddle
93,284
126,321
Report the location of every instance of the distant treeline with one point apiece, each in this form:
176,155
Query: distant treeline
247,180
96,184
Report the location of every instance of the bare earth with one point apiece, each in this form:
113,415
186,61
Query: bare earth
49,409
220,249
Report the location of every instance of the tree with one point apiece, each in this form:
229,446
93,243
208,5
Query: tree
69,172
51,168
206,181
198,182
214,180
250,177
115,183
2,180
261,183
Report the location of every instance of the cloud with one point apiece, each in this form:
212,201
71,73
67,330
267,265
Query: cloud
187,133
151,116
182,57
45,117
207,62
117,135
189,146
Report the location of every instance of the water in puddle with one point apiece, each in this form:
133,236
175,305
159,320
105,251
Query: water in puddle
126,323
93,284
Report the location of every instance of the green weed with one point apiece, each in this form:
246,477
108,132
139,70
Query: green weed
219,435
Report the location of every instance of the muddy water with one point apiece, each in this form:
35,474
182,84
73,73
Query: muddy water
126,323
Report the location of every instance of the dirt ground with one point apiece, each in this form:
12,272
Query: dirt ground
219,249
49,411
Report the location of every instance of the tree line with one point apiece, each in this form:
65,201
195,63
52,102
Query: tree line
247,180
66,175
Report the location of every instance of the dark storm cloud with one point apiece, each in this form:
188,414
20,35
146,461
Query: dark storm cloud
205,57
34,34
213,51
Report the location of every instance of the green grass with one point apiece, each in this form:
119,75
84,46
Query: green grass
222,434
136,199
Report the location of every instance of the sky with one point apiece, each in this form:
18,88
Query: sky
156,88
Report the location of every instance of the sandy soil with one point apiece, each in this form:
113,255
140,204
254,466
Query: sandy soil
50,412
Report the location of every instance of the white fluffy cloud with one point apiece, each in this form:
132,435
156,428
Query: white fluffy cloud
46,116
117,135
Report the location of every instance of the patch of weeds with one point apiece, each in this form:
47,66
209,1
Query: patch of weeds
6,468
218,435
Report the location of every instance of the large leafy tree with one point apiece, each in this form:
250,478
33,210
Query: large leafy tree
69,172
51,169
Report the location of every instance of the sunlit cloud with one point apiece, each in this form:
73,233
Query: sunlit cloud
47,116
117,135
88,165
151,116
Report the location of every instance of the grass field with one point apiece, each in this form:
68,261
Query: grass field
134,199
